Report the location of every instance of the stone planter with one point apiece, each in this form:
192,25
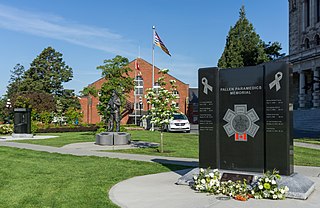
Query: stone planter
113,138
121,138
104,138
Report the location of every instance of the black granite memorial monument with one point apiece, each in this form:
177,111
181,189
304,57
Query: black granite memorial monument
245,118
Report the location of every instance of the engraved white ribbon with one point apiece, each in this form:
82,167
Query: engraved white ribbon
276,81
207,87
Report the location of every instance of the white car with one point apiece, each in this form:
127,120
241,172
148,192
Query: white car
180,122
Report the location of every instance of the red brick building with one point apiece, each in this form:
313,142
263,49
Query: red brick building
143,81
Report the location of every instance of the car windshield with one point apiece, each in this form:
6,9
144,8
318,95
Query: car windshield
179,117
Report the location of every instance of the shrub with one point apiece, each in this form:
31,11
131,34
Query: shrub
6,129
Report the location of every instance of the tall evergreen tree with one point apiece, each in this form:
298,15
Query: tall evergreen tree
243,45
15,81
47,73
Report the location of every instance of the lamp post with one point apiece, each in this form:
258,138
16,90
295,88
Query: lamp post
140,106
8,106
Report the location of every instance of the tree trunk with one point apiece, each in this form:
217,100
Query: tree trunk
161,142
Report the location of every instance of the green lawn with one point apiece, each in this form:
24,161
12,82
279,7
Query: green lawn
306,157
175,144
37,179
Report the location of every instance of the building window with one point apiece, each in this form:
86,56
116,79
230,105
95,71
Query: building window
156,87
306,43
139,85
307,12
137,107
317,39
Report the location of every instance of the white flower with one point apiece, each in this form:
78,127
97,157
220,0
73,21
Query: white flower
201,170
273,182
203,181
280,196
260,187
272,192
252,191
211,175
274,196
267,180
286,189
195,178
215,170
282,191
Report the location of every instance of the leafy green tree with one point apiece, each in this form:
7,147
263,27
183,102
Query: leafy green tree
115,71
90,90
273,50
73,115
46,117
68,99
3,110
243,45
47,73
38,101
163,104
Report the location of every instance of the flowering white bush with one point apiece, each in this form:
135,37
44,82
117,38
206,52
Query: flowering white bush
163,104
6,129
266,186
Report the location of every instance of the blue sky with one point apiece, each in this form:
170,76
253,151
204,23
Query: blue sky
88,32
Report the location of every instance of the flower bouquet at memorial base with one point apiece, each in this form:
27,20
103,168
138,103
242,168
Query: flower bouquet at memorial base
265,187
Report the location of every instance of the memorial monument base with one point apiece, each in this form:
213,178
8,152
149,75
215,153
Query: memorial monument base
300,187
113,138
15,135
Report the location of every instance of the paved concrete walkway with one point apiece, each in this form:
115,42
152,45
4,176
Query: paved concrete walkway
160,191
307,145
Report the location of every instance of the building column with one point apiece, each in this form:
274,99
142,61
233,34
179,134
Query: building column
316,92
302,90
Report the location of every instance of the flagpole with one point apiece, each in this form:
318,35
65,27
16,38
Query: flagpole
135,99
153,34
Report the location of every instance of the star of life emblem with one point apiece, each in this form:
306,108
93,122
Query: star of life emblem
241,122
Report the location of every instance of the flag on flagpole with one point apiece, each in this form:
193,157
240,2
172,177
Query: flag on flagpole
137,67
159,43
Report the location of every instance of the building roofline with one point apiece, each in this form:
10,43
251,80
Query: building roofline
158,69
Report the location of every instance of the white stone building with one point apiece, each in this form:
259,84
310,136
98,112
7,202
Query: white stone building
304,52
